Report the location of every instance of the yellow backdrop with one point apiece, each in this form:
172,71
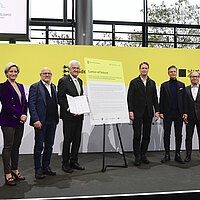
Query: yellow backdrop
31,58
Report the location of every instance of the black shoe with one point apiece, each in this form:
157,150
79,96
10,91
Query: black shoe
187,159
166,158
77,166
67,169
144,159
179,159
49,172
137,161
39,174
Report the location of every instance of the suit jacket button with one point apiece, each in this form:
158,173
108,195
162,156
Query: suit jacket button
13,105
12,98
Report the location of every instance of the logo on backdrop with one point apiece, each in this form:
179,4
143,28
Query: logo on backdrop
66,70
186,72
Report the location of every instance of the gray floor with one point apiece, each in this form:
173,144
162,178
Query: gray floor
155,177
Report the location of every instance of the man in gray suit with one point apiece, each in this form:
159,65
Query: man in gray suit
193,103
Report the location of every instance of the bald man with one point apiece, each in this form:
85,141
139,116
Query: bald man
43,108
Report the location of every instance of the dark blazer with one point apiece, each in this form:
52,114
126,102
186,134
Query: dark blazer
193,107
12,109
66,86
37,103
166,98
140,96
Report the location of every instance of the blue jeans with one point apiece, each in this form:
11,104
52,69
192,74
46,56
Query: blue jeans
44,140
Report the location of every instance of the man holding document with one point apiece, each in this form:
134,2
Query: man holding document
72,122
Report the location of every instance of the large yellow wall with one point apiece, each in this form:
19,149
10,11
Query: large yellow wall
31,58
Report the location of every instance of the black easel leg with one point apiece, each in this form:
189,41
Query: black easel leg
120,140
104,133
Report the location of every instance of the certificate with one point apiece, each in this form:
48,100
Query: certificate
106,92
78,105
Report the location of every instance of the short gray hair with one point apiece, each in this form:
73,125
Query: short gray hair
192,73
71,62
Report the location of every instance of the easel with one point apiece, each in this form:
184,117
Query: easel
120,140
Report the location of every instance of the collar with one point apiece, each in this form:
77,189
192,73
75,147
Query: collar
45,83
196,86
143,79
73,77
172,80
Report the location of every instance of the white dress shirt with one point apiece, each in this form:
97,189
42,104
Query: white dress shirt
144,81
76,83
194,91
48,86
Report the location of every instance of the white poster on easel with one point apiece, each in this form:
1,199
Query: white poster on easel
106,92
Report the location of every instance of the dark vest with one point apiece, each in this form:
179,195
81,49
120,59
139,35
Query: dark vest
51,111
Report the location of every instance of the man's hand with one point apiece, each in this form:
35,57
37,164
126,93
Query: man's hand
75,115
185,117
37,124
156,117
131,116
162,116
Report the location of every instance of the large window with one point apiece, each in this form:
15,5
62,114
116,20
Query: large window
118,10
47,9
174,11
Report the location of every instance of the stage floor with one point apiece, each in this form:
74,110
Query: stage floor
155,177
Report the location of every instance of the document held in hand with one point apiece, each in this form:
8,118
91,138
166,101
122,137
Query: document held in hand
78,105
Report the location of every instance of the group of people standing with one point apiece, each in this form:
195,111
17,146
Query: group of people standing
177,104
42,103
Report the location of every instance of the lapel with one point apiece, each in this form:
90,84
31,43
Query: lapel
23,95
71,82
141,85
13,90
188,90
168,89
54,91
198,95
41,88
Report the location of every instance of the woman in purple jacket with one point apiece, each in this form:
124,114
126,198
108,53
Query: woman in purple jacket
12,118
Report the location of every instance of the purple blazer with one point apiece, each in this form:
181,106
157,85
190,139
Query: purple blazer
12,109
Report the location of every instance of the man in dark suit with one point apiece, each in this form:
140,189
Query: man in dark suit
142,98
172,109
72,123
43,108
193,105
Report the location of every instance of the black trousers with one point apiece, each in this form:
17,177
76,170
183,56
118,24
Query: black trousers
72,138
12,141
178,124
141,147
189,134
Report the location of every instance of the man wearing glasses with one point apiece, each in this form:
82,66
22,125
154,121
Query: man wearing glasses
72,123
193,102
43,108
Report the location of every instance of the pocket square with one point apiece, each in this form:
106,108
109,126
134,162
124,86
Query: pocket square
180,88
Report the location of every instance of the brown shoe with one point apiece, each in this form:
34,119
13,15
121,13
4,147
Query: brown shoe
10,181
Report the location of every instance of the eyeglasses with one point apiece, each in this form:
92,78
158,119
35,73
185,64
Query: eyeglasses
194,76
46,73
75,68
